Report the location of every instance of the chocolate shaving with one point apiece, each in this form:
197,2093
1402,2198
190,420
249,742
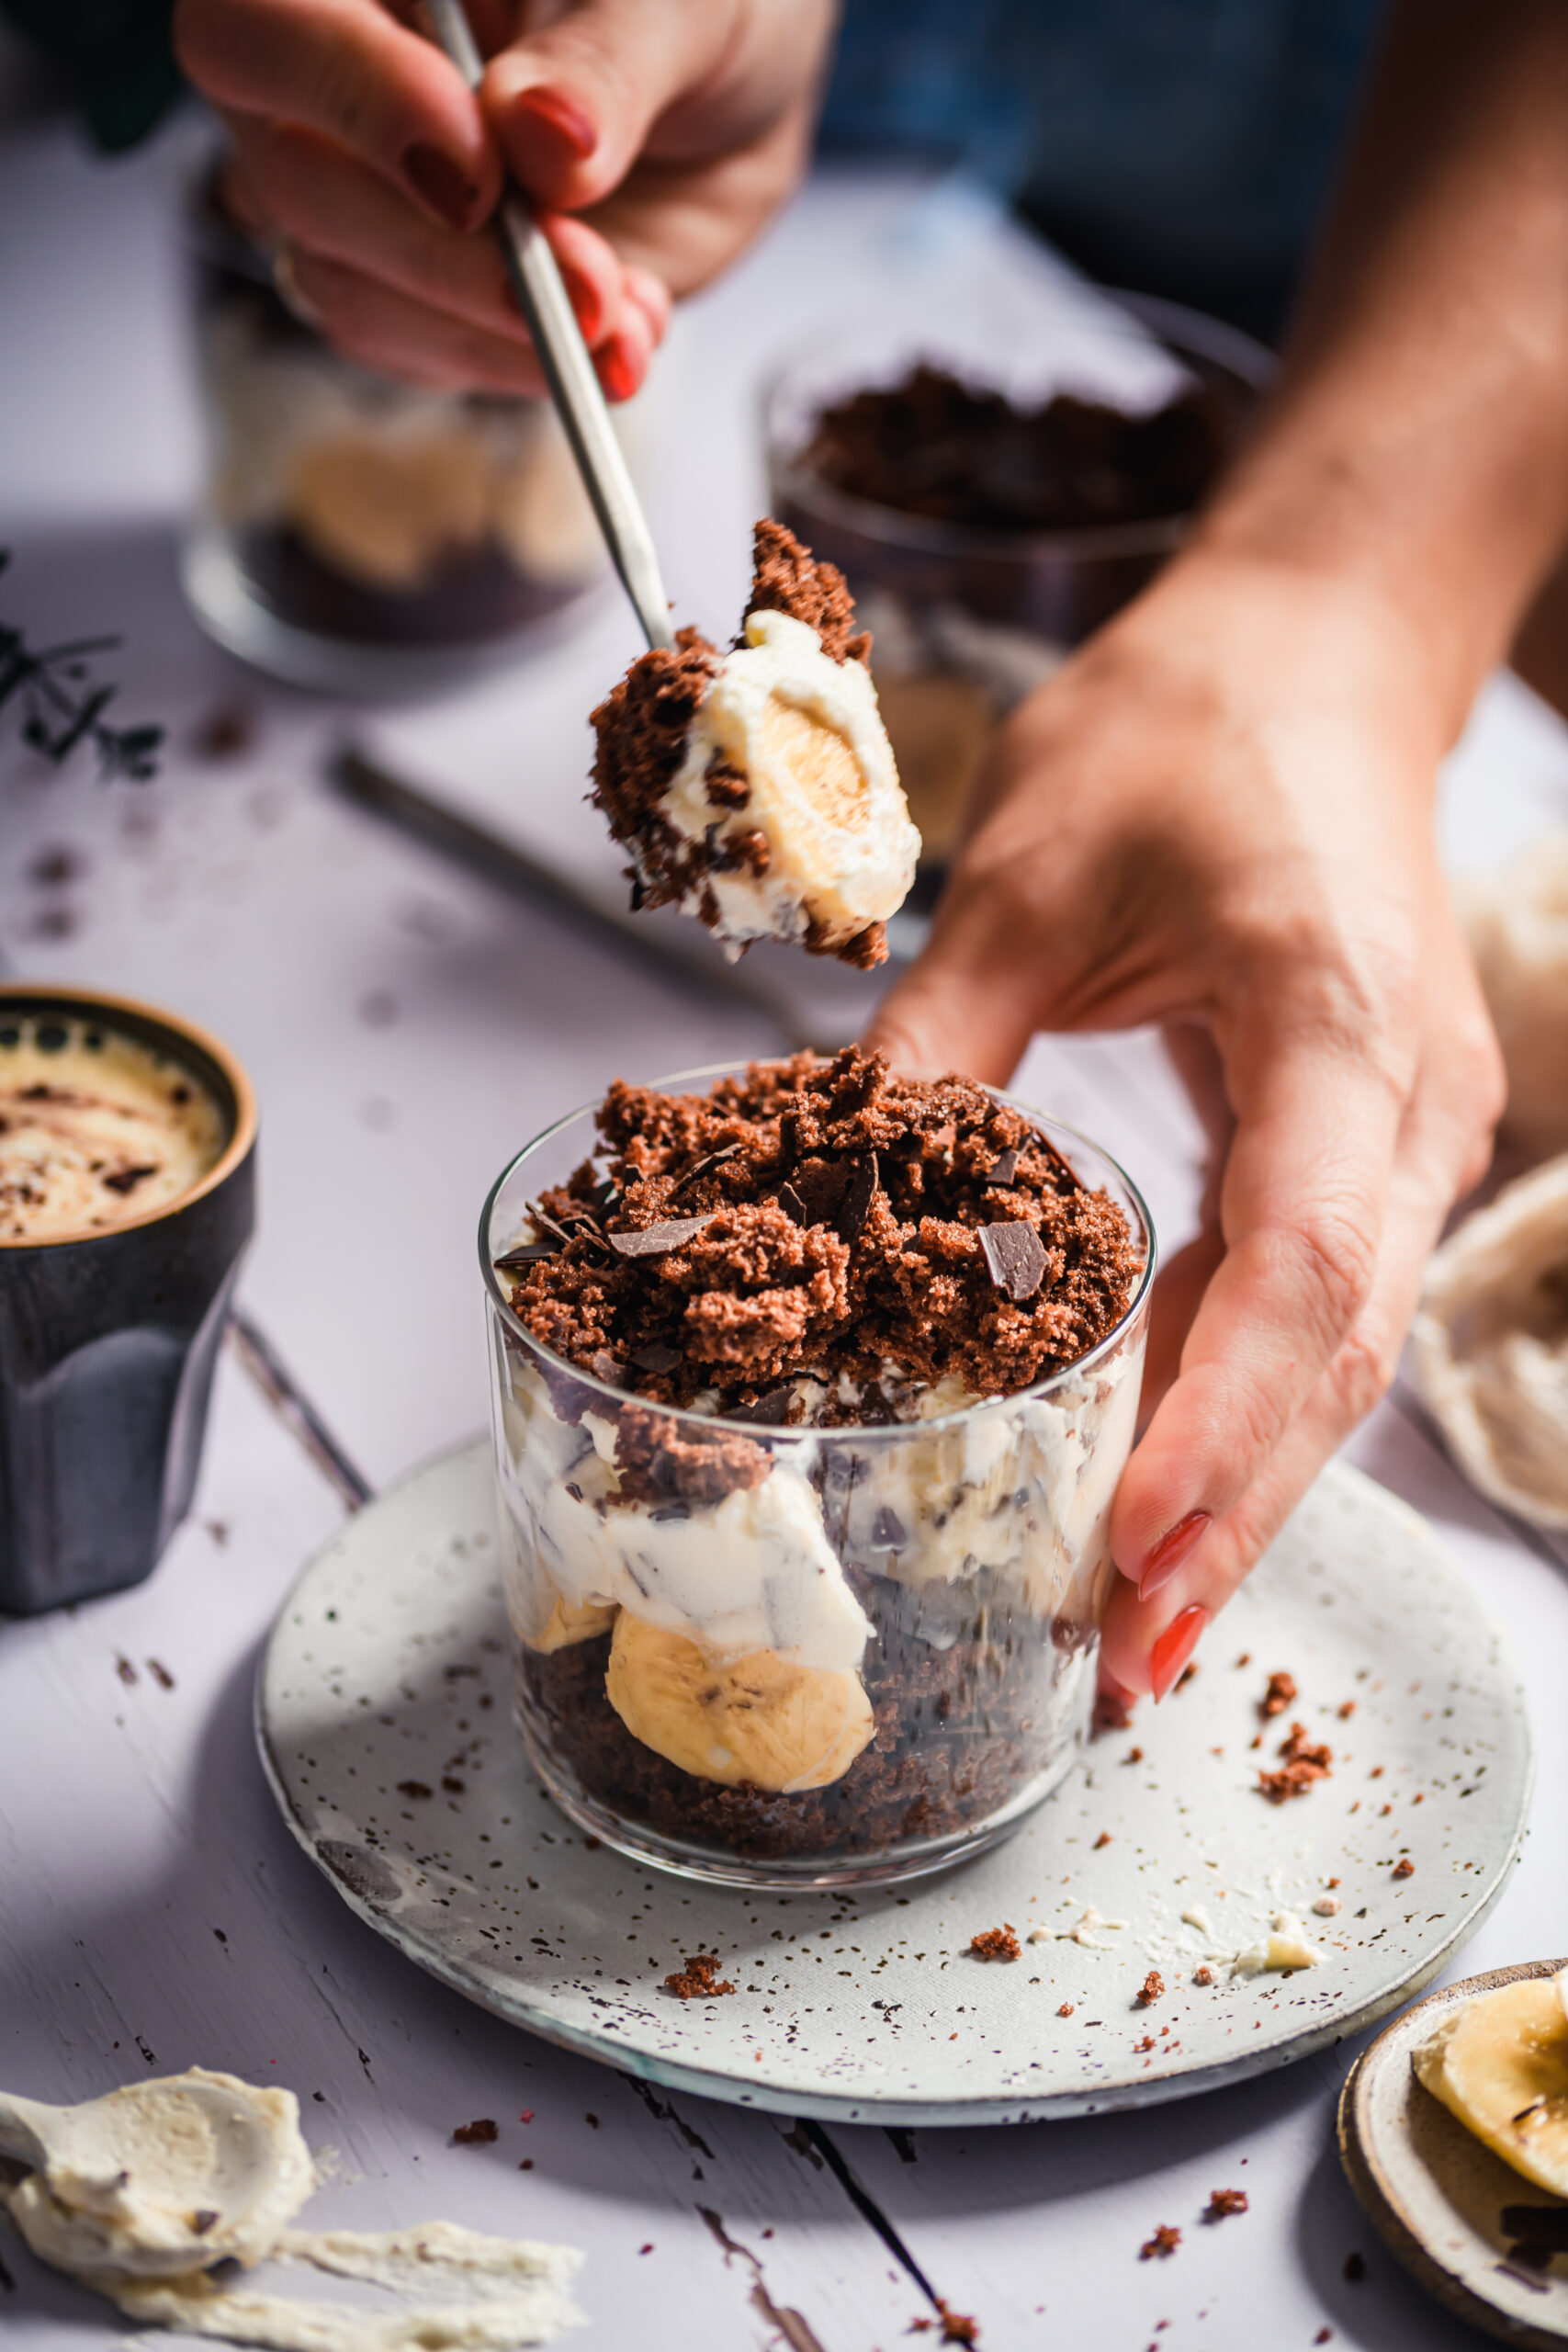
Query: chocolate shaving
700,1167
656,1357
543,1217
653,1240
1006,1168
1015,1257
1536,2225
856,1203
772,1410
529,1254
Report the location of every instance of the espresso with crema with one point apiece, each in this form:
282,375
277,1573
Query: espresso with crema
95,1128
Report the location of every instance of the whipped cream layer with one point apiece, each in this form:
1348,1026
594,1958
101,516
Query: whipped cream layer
1019,1489
753,1572
805,732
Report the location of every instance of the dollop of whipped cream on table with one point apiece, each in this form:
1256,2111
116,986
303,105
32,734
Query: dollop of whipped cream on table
141,2193
805,732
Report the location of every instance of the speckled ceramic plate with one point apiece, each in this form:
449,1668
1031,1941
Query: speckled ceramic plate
385,1729
1434,2195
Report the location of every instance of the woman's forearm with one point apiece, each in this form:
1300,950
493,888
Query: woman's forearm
1416,446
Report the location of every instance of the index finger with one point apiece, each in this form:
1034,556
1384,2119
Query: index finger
347,70
1303,1207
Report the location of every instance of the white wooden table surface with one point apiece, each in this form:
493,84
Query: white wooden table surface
407,1028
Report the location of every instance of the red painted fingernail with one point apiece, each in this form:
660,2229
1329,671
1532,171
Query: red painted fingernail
618,369
1174,1547
562,119
1174,1647
440,184
583,296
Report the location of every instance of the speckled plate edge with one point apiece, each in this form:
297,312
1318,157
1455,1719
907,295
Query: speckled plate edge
1378,2159
727,2083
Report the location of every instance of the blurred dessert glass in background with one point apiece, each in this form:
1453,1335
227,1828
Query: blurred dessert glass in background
358,534
993,492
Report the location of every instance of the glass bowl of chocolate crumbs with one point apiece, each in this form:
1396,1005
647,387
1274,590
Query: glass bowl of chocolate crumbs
992,493
813,1386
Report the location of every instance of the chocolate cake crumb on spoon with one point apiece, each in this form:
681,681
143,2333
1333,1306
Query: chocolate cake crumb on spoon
756,788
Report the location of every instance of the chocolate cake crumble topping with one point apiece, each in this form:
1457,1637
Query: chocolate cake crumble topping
642,728
835,1227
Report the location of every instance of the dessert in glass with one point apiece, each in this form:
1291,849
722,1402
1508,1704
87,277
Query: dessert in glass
812,1388
359,535
993,488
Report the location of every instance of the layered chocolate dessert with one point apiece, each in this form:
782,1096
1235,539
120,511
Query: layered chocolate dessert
368,512
952,452
755,790
813,1397
985,536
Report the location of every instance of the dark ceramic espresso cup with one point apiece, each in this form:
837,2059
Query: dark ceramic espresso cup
109,1339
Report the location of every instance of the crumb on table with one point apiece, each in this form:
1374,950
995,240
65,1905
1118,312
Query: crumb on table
1164,2242
996,1943
1223,2202
1152,1989
477,2134
1405,1867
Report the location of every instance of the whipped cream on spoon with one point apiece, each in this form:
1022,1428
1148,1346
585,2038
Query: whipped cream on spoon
158,2178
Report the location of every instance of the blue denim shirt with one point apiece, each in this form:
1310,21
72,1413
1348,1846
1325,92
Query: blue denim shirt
1184,147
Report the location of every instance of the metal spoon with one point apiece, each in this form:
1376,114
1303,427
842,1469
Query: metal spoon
159,2177
542,298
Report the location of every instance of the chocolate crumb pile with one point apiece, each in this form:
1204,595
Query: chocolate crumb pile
1302,1763
936,447
816,1221
996,1943
642,727
698,1979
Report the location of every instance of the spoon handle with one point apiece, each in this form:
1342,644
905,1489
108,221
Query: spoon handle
23,2130
542,298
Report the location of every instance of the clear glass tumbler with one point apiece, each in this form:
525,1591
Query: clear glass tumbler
965,621
359,536
801,1656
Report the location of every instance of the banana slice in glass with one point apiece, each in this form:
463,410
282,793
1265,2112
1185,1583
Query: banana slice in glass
760,1719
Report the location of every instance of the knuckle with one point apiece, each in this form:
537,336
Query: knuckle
1363,1371
1337,1258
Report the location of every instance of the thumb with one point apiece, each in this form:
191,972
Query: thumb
573,103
